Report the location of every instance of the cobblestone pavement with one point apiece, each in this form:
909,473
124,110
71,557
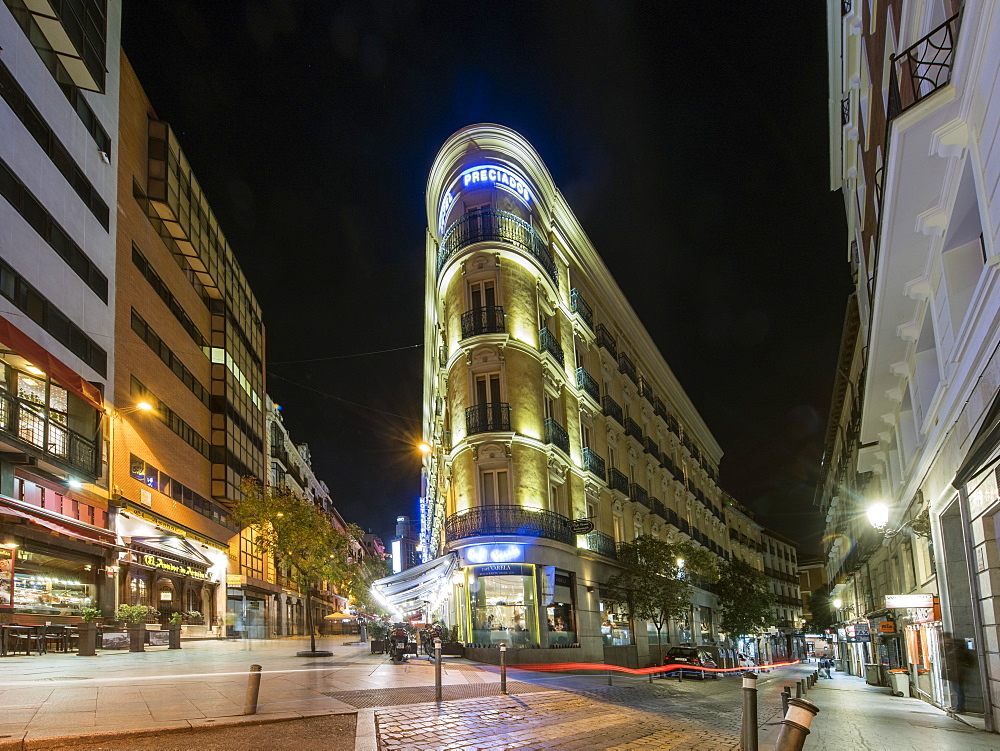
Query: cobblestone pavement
633,714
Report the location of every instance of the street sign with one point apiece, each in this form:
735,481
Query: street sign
581,526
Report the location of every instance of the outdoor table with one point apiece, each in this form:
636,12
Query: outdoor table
9,629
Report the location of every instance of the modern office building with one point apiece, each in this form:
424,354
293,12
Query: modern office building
557,428
189,344
58,189
913,438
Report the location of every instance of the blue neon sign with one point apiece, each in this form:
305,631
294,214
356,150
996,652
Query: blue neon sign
485,175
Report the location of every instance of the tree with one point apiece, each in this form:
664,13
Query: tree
656,581
821,611
745,600
298,534
359,587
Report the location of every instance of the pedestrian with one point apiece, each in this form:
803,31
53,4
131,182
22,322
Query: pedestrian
825,665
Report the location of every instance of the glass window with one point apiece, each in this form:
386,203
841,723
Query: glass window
45,585
503,610
616,631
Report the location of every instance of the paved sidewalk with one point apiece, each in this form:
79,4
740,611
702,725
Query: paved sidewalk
853,715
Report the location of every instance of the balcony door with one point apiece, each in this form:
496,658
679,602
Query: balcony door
483,294
496,487
488,389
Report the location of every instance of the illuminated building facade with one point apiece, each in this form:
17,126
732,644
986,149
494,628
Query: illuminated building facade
58,143
781,564
557,428
909,485
189,343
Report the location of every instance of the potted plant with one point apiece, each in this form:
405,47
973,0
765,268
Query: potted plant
87,630
135,616
378,630
450,645
174,630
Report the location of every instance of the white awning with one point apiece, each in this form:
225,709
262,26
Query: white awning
413,588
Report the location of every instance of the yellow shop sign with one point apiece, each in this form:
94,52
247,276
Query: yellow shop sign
174,568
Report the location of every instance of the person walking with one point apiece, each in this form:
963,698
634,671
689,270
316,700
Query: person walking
825,665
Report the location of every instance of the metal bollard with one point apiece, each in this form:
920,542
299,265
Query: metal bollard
798,689
795,726
748,733
253,689
786,694
503,669
437,670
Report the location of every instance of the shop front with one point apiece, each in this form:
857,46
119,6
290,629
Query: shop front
168,575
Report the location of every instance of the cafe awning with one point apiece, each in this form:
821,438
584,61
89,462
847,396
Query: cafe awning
413,588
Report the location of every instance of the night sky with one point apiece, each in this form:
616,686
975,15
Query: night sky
690,139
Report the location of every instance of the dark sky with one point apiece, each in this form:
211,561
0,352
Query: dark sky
690,139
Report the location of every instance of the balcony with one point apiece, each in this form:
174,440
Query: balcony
593,463
659,407
626,366
672,518
494,225
612,409
602,544
923,68
487,418
668,464
486,320
683,526
32,424
646,391
657,507
579,306
618,481
672,424
547,342
556,435
638,494
633,429
487,521
651,447
604,339
588,385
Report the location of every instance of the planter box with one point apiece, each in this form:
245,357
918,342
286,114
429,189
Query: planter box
194,629
452,649
378,646
491,655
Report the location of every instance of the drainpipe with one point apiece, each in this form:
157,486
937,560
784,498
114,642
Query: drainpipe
977,614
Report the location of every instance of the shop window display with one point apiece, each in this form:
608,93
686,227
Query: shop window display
560,613
503,610
616,631
45,585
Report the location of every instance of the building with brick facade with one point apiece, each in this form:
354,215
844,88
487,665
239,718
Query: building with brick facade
58,188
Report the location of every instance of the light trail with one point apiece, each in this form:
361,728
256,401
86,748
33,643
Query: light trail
563,667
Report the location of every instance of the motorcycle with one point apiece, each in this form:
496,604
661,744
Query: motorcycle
428,635
398,640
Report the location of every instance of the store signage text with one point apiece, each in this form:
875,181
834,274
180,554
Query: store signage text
909,601
490,174
501,569
157,562
494,553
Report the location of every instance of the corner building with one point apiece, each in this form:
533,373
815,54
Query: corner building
549,409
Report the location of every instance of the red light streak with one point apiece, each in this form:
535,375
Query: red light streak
562,667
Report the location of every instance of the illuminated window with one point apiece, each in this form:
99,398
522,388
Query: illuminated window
495,487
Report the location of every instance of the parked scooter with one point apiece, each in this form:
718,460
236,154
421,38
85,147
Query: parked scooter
398,640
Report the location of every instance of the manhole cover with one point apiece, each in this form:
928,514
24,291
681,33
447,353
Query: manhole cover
394,697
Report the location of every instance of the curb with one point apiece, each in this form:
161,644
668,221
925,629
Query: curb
68,741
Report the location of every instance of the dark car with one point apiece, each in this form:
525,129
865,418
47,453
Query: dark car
697,658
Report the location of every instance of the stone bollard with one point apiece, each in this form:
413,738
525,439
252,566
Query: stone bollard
503,669
795,726
786,694
437,670
748,734
253,689
798,689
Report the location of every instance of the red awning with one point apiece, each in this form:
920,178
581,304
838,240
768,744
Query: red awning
63,526
27,347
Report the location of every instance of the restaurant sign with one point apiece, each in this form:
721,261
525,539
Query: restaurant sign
909,601
504,569
174,568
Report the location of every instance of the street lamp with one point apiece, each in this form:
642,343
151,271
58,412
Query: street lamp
878,516
838,603
424,447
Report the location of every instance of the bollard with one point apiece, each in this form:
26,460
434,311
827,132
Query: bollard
798,689
437,670
253,689
795,726
503,669
749,730
786,694
609,677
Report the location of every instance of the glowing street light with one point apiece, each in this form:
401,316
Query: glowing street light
878,515
424,447
838,603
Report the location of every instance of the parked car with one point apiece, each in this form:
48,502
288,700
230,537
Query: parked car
697,658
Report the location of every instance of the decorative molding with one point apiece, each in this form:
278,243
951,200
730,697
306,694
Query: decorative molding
951,139
616,506
932,222
908,332
557,469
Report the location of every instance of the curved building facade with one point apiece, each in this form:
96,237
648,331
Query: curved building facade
557,429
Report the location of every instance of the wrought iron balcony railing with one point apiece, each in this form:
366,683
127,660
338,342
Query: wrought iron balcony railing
602,544
633,429
547,342
487,521
604,339
657,507
683,526
586,382
672,424
638,493
579,306
659,407
924,67
593,463
668,464
494,225
626,366
651,447
556,435
34,425
618,481
646,391
486,418
672,518
612,409
486,320
442,356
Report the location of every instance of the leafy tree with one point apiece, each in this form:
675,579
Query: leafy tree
360,585
821,611
298,534
656,581
745,600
